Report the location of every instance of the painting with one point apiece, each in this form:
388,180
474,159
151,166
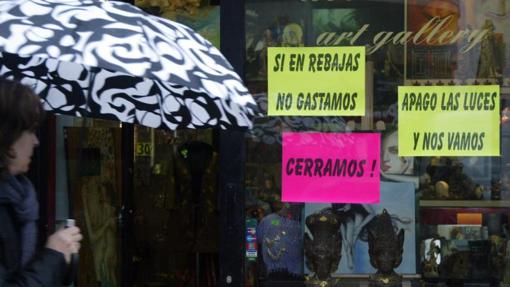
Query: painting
199,15
458,39
365,23
399,200
429,57
391,162
94,168
271,24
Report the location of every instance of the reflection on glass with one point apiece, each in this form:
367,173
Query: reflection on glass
441,42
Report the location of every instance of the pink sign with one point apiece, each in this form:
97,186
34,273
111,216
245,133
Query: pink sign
331,167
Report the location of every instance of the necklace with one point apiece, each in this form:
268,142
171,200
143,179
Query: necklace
272,243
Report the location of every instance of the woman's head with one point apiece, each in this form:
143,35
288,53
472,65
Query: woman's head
391,162
21,113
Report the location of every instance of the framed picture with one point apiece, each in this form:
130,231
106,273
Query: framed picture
399,200
271,24
469,42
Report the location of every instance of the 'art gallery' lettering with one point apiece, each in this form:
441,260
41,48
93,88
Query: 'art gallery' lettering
432,33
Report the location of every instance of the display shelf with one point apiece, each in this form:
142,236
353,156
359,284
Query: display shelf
465,203
361,280
365,276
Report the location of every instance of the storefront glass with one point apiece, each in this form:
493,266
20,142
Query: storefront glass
155,224
162,231
454,210
175,211
88,188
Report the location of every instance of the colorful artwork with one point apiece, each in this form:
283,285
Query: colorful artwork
368,25
399,200
391,162
203,18
458,39
271,24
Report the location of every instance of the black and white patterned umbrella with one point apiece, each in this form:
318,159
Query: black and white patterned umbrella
112,60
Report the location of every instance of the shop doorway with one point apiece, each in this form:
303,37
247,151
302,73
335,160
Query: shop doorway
94,167
162,230
175,214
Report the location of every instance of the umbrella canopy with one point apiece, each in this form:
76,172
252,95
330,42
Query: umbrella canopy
112,60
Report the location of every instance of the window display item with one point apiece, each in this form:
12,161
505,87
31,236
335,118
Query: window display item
292,35
398,199
324,251
449,181
197,156
497,257
385,248
491,53
280,237
496,189
355,217
432,258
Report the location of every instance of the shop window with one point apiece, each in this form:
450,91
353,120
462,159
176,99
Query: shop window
454,210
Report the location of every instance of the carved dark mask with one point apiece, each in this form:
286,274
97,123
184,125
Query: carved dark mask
385,247
323,252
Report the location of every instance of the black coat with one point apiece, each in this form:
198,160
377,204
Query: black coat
46,269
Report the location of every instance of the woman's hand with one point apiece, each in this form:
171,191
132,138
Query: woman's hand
65,241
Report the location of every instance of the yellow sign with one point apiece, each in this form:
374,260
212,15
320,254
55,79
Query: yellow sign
448,121
143,149
316,81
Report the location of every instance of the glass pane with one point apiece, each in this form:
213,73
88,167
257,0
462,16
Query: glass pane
93,162
454,211
175,229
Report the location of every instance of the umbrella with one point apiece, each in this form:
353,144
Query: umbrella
112,60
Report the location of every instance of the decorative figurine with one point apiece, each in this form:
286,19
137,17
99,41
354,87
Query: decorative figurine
460,185
489,65
448,181
385,248
431,265
323,252
496,189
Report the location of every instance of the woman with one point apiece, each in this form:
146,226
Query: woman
392,163
20,263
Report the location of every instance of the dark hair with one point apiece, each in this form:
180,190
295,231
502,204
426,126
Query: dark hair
20,110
